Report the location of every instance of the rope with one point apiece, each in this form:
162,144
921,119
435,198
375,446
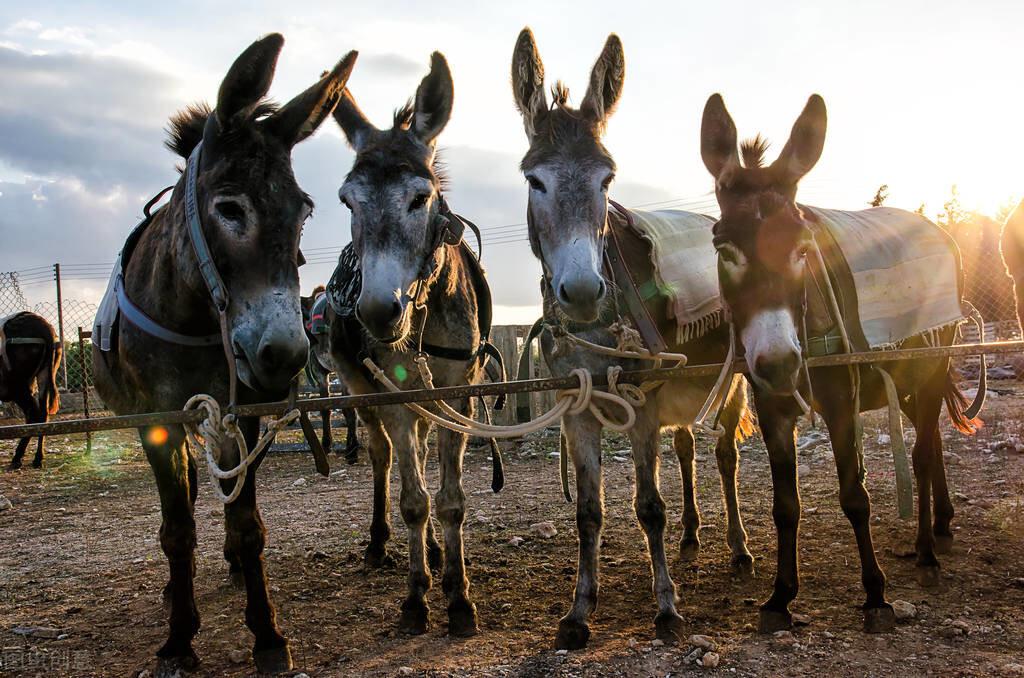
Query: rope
214,431
628,347
718,392
571,401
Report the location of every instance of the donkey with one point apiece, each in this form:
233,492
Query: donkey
763,240
569,172
30,356
420,288
1011,246
318,371
250,211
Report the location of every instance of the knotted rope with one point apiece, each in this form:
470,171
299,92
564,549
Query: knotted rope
211,434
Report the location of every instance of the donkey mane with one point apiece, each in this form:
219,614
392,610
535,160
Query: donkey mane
753,150
185,129
564,125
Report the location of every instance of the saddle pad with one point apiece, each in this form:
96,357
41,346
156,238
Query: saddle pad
905,269
317,324
685,268
106,314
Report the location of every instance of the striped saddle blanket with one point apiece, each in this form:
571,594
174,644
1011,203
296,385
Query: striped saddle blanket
897,272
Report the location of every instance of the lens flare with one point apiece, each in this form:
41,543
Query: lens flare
401,374
157,435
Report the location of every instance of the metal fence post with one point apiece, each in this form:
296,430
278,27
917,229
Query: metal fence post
82,336
60,322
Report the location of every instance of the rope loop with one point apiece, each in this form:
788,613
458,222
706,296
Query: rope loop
214,432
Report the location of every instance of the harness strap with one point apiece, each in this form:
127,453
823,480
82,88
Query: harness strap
208,269
136,316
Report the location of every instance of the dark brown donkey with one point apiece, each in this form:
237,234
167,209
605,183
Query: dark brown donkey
318,372
250,210
763,239
419,287
30,356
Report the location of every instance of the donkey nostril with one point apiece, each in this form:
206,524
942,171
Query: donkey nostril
563,294
601,289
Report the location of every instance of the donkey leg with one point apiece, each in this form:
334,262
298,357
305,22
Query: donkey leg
246,538
841,420
650,511
451,510
351,438
327,435
43,417
178,540
926,423
943,506
583,440
376,554
727,455
435,557
30,408
683,444
778,427
415,505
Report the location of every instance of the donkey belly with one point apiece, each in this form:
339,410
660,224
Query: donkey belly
679,401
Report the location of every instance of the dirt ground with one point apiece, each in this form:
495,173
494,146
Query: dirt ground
79,557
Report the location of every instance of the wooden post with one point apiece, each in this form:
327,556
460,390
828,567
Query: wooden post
60,322
82,336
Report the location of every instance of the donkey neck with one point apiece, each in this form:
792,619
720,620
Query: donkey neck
162,277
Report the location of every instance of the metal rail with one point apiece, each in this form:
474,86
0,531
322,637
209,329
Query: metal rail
70,426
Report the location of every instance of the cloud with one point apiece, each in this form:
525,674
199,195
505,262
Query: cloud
390,65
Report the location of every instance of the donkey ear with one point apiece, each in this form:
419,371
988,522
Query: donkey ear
434,98
301,116
357,128
606,80
528,81
805,144
249,78
717,137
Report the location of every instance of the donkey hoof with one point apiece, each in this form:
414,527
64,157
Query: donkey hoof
689,549
668,627
37,463
943,543
273,660
928,575
572,635
14,465
879,619
462,619
236,579
774,620
377,558
352,454
743,566
415,618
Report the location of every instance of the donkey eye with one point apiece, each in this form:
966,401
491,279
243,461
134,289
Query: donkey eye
231,211
418,202
536,184
607,182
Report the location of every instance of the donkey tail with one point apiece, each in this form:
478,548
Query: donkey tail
51,365
965,419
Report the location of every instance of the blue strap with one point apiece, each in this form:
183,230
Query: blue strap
136,316
218,291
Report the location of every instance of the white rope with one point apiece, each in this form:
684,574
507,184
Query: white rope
569,401
214,431
628,347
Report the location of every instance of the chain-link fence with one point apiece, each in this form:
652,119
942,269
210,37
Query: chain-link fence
40,290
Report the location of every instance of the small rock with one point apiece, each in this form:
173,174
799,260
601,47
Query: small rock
951,458
5,503
694,656
544,529
299,482
884,439
516,541
803,470
632,643
301,675
657,642
36,631
801,619
709,660
703,642
561,653
1019,582
238,656
784,638
964,627
405,670
904,611
619,459
1012,669
554,455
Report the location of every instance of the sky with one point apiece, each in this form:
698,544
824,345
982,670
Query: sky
920,95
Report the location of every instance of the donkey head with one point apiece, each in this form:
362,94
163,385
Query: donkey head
762,238
569,172
251,207
393,192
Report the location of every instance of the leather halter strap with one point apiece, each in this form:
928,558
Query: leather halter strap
208,269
